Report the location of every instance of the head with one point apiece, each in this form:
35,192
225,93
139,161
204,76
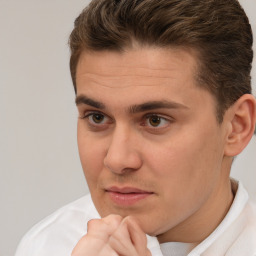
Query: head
218,31
163,98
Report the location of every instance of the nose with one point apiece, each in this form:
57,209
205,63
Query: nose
122,154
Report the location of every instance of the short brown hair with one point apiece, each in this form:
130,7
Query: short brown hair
218,30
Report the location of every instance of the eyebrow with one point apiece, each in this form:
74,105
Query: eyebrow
150,105
82,99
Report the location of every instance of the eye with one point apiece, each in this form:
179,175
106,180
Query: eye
96,119
156,121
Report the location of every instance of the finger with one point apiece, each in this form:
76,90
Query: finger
103,228
138,237
113,220
88,247
121,242
96,228
95,242
106,251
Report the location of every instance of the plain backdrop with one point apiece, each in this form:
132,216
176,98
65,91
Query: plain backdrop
39,164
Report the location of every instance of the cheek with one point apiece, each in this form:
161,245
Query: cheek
184,180
91,154
186,164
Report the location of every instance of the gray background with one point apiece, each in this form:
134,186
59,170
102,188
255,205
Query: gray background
39,165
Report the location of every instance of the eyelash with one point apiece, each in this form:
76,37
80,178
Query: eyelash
156,116
146,118
90,123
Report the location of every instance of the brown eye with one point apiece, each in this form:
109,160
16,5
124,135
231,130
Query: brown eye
97,118
155,121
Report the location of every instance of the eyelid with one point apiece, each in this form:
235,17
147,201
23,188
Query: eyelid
94,125
169,120
163,116
91,112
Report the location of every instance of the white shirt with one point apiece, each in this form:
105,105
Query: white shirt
176,248
58,234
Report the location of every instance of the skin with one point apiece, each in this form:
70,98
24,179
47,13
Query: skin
178,151
113,236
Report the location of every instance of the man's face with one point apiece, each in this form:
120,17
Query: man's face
148,137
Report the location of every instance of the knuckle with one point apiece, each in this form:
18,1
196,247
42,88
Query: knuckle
113,219
91,223
132,222
129,219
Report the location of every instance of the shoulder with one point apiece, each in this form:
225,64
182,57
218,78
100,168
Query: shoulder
245,242
250,218
58,233
242,232
236,234
243,228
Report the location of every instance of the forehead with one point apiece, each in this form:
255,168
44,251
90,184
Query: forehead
146,63
141,75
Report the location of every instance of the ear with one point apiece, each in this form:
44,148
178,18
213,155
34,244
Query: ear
241,118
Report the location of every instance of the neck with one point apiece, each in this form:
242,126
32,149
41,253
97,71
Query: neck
203,222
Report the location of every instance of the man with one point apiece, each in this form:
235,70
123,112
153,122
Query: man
164,100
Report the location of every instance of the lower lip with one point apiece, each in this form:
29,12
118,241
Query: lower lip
127,199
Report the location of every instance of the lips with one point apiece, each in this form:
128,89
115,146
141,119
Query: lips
127,196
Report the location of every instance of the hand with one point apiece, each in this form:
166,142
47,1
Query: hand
113,236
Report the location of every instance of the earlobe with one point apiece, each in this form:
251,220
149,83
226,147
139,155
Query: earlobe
241,117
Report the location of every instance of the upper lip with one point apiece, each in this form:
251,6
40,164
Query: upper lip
127,190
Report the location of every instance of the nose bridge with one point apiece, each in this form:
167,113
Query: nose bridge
122,153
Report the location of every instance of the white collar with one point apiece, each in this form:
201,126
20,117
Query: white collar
177,248
240,200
